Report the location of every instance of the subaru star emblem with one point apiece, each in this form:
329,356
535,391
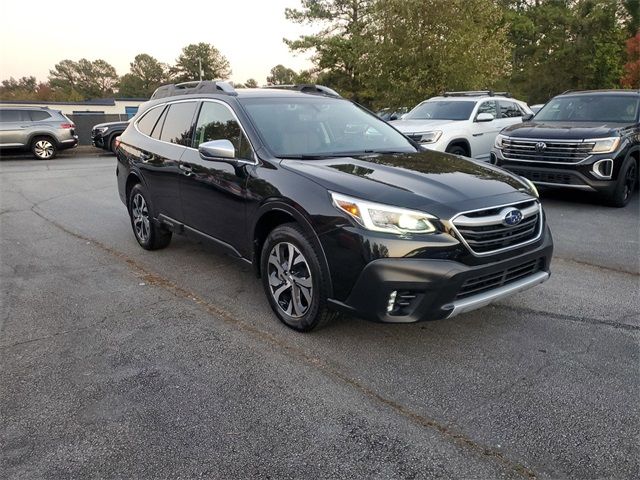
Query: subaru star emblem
541,146
512,217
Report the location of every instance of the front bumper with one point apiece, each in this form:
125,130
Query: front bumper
430,289
577,176
97,140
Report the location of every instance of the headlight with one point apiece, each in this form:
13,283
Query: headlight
605,145
428,137
532,187
102,129
499,140
383,218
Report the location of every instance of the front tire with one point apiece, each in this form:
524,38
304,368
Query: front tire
44,148
457,150
626,184
293,279
149,235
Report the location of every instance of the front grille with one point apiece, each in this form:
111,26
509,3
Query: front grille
483,283
546,151
484,231
548,177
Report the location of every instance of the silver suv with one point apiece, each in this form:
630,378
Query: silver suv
39,129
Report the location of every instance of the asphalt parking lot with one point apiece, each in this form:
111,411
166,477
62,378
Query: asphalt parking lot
122,363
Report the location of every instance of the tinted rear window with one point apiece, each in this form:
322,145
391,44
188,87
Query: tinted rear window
149,119
178,126
38,115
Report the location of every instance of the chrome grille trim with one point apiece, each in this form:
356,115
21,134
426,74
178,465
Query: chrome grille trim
556,151
470,231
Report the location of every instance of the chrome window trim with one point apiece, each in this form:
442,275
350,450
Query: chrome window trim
450,224
197,101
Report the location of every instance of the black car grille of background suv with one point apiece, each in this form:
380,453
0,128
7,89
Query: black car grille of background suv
553,151
483,283
548,177
484,232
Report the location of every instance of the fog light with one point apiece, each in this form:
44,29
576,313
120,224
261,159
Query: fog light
603,169
392,301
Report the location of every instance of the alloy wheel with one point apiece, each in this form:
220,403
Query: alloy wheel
43,149
140,215
290,279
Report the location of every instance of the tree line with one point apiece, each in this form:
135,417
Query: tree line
395,53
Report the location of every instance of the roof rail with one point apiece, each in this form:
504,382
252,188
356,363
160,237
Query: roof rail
193,88
475,93
307,88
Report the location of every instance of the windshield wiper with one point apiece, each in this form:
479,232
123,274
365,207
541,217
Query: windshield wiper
305,157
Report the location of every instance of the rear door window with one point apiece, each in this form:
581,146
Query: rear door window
178,126
7,116
149,120
509,109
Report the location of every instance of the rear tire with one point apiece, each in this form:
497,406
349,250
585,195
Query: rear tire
293,279
457,150
112,144
626,184
44,148
148,233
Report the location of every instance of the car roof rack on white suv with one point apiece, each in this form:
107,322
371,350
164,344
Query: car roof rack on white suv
308,88
476,93
194,88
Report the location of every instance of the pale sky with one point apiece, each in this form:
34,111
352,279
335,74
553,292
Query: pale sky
37,34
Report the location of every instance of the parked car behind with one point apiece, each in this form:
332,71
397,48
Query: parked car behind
462,123
38,129
334,208
587,140
536,108
389,114
104,135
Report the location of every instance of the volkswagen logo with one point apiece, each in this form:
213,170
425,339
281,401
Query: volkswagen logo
541,147
512,217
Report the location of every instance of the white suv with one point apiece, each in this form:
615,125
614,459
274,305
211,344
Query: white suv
462,123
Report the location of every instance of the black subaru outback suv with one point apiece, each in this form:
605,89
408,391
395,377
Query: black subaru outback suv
334,208
587,140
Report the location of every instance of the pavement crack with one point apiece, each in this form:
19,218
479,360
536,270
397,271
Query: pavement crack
598,267
230,319
572,318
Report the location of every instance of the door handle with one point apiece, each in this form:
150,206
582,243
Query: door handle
477,134
188,171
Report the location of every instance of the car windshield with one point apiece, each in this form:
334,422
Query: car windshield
441,110
590,108
307,127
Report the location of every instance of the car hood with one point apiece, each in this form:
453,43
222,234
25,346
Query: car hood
111,124
563,130
434,182
415,126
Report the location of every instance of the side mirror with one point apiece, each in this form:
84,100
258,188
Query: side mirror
527,117
217,149
484,117
393,117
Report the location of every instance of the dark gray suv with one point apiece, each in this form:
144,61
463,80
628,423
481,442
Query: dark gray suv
38,129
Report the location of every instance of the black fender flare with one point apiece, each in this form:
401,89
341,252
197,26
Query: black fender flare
300,217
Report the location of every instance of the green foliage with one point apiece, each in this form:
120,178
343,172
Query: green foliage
145,76
424,47
251,83
281,75
215,65
342,44
564,44
83,79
